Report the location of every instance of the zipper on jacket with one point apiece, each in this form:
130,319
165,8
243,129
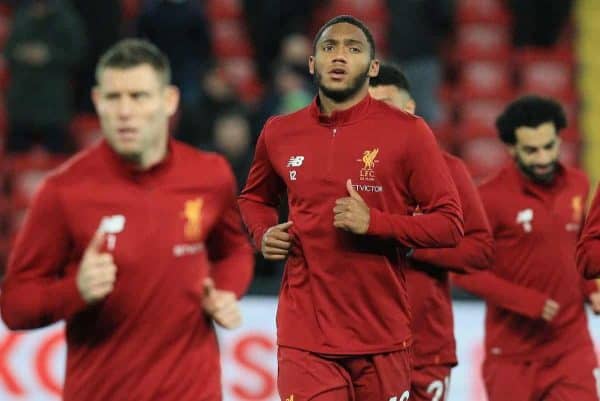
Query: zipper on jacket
330,153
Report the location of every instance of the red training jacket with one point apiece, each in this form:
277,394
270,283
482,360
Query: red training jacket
588,249
167,229
536,228
428,284
343,293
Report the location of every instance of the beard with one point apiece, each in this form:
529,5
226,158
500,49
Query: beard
529,171
341,95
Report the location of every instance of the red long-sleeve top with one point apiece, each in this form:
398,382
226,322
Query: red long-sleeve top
535,228
428,281
588,248
167,228
344,293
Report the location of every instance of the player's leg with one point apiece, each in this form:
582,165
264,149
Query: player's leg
574,377
508,380
381,377
430,383
304,376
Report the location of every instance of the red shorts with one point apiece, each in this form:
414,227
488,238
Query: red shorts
572,377
304,376
430,383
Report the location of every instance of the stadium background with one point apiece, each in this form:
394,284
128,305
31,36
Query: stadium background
240,61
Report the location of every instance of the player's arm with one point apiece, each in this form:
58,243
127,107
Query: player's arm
475,251
35,291
430,185
588,248
505,294
230,254
259,203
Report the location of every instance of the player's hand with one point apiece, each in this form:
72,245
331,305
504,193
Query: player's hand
221,306
551,308
276,242
97,271
595,302
351,213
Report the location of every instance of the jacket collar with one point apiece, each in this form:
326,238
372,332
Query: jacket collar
540,190
129,171
341,117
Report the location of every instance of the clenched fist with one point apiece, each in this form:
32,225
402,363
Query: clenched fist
276,242
97,271
351,213
221,306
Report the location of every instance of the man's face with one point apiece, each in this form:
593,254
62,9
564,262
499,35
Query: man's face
342,62
536,151
393,96
134,107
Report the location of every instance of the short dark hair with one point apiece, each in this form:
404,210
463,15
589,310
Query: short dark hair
390,74
529,111
129,53
347,19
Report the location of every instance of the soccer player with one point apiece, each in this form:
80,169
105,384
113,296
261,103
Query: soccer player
434,347
137,243
352,168
588,251
537,343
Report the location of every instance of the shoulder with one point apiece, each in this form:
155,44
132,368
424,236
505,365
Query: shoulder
577,177
193,159
279,125
495,183
453,162
383,110
81,166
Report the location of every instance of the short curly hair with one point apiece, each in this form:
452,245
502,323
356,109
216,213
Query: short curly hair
529,111
130,53
347,19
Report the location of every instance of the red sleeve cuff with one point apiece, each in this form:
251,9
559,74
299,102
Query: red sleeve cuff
65,298
379,225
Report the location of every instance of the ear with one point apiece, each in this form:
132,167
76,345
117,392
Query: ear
512,150
171,99
95,95
374,68
311,65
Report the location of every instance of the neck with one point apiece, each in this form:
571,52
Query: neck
328,105
151,157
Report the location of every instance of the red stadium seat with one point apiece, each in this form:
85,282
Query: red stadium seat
4,74
483,156
26,173
4,29
483,42
485,79
241,72
570,152
230,39
223,9
85,130
130,8
478,117
482,11
549,77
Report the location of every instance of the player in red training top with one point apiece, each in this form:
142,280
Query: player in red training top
537,345
352,167
434,347
588,249
136,246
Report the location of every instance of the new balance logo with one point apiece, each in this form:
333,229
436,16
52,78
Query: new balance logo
295,161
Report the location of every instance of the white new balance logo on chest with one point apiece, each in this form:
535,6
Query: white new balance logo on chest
525,217
295,161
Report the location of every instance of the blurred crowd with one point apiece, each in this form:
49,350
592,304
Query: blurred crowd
236,62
